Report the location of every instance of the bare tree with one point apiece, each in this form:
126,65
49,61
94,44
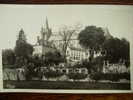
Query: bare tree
66,33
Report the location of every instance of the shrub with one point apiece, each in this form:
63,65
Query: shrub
110,76
96,76
125,76
76,76
52,74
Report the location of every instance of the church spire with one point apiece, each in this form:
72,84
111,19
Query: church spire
47,30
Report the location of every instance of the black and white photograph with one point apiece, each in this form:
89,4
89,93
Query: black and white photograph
66,47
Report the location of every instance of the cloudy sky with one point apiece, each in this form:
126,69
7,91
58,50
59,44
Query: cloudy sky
118,19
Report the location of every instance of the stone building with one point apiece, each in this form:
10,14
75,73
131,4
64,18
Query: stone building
51,41
43,44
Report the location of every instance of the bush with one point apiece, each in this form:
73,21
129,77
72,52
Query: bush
110,76
96,76
125,76
52,74
8,57
76,76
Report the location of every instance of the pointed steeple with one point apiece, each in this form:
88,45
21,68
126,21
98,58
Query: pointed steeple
47,30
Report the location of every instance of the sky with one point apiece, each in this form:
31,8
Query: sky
118,19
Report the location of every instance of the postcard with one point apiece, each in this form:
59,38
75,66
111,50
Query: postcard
66,48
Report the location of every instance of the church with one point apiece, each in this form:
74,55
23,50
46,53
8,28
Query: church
43,44
49,41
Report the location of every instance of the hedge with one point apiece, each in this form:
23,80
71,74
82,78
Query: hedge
110,76
76,76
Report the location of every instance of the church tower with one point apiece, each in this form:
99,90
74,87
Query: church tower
46,33
44,44
21,37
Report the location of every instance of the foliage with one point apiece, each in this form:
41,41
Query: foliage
76,76
110,76
52,74
116,50
66,34
52,58
37,60
8,57
91,38
29,71
23,50
96,65
20,61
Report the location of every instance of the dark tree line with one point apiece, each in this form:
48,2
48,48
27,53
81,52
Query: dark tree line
91,38
117,50
113,49
21,51
8,57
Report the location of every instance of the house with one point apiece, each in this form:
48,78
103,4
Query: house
76,54
115,68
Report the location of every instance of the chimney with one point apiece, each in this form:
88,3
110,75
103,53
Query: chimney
38,39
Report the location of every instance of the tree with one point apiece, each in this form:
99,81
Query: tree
97,64
91,38
117,50
125,51
8,57
23,50
52,58
66,34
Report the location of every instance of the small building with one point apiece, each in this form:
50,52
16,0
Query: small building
76,54
115,68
